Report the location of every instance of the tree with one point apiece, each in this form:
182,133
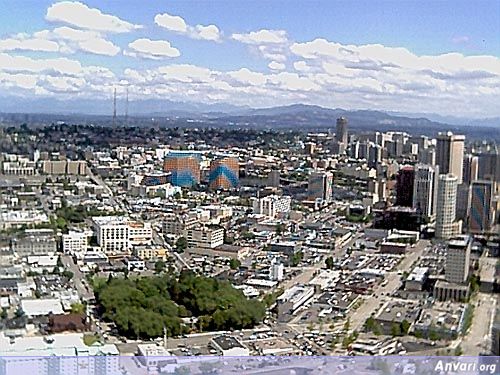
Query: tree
141,307
78,308
19,312
296,258
405,327
475,283
181,244
68,274
370,324
4,314
395,329
329,263
347,324
234,264
159,266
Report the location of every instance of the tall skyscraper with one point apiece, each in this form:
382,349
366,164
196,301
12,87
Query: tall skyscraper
470,169
480,213
463,196
320,186
446,227
458,259
489,165
374,155
425,189
404,186
184,167
341,131
450,154
224,173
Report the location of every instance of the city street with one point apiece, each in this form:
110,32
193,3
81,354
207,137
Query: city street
478,340
81,285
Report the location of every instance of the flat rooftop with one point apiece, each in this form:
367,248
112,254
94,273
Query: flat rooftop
227,342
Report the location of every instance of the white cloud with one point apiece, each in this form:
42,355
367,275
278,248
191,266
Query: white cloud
320,72
20,64
301,66
210,32
80,15
185,73
172,23
99,47
152,49
178,25
248,77
293,82
262,37
274,65
71,40
14,81
27,43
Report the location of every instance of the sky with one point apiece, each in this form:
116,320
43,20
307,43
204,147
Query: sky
410,56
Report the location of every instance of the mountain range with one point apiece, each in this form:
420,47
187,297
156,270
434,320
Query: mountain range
301,116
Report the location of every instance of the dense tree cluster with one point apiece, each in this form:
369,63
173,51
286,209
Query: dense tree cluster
144,306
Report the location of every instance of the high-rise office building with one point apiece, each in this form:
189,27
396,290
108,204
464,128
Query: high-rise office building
470,169
341,131
480,212
374,155
450,154
224,173
446,227
427,156
404,186
425,189
320,186
463,202
458,259
184,168
489,166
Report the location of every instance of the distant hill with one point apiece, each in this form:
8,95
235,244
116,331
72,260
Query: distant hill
296,116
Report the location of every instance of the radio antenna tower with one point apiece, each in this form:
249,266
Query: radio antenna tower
114,107
126,109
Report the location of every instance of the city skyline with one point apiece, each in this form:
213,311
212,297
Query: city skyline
321,53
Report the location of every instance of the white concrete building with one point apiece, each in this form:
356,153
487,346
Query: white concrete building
64,353
446,227
272,205
205,237
75,241
458,259
119,234
425,189
277,271
229,346
450,154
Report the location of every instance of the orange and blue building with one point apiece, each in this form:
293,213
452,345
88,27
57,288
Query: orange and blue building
224,173
184,168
